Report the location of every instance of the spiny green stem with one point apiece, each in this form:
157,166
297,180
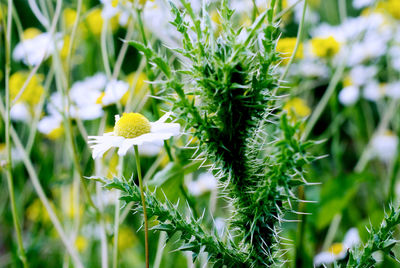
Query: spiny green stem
146,227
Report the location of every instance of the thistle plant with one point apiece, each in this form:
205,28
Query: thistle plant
254,147
379,239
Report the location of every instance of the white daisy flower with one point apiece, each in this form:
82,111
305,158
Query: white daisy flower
338,250
205,182
349,95
34,51
361,74
373,91
359,4
51,126
115,90
384,146
133,129
20,112
393,90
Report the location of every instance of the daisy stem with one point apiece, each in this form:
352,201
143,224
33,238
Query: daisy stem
146,227
17,226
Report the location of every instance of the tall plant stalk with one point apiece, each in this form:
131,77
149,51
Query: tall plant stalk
10,182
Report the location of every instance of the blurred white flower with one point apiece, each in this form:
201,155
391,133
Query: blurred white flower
157,19
220,225
372,47
122,9
34,51
338,250
310,68
384,146
133,129
205,182
373,91
20,112
89,96
115,89
349,95
393,90
362,3
48,124
362,74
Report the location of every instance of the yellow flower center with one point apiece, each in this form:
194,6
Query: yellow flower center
114,3
336,248
100,98
30,33
56,133
132,125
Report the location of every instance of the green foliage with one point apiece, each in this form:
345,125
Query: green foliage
171,221
380,239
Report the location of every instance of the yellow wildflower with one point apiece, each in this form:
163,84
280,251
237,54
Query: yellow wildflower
391,7
33,90
297,107
126,238
137,83
286,46
81,243
36,212
325,47
69,17
94,22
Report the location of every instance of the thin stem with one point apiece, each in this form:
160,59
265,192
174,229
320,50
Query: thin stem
286,10
332,231
39,190
160,249
17,226
298,42
342,10
383,125
146,227
325,98
300,229
117,216
104,55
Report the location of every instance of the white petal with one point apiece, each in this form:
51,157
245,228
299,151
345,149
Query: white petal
101,144
125,146
324,258
20,112
351,238
154,138
173,128
164,117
